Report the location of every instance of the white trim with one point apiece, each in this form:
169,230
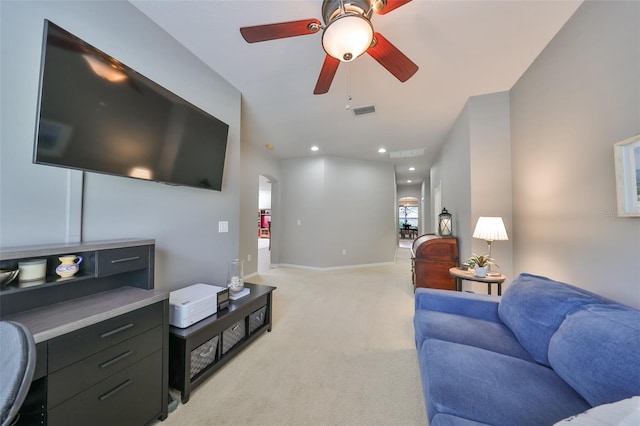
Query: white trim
331,268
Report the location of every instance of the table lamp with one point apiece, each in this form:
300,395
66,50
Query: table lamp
490,229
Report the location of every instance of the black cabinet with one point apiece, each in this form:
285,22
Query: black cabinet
132,396
106,266
198,351
101,335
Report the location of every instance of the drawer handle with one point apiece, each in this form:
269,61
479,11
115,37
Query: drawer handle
125,259
235,327
116,359
115,390
117,330
207,353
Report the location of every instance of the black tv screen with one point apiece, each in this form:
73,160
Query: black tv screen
96,114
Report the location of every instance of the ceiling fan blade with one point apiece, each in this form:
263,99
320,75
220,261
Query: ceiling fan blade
329,68
281,30
396,62
392,5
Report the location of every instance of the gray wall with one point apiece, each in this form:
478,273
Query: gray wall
256,162
580,96
333,204
474,173
42,204
451,173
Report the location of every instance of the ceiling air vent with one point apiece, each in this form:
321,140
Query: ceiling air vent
364,110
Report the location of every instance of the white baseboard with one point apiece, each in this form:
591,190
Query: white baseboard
330,268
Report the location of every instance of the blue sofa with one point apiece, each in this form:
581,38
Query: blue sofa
542,352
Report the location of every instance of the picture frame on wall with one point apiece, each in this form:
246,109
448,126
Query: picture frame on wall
627,163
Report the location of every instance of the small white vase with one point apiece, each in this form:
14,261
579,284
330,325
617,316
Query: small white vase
481,271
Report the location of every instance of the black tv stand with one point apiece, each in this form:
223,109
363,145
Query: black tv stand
198,351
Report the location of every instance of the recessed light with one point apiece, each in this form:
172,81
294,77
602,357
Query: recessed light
269,146
382,150
411,169
314,148
409,181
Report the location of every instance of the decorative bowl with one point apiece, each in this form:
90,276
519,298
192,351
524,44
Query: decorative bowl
7,275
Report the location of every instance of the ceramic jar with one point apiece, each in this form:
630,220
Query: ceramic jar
69,265
32,270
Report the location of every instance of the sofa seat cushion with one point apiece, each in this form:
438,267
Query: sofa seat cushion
470,331
441,419
493,388
597,351
533,307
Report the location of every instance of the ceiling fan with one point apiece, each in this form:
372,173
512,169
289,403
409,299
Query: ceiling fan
346,34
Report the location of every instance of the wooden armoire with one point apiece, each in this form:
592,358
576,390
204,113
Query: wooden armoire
431,258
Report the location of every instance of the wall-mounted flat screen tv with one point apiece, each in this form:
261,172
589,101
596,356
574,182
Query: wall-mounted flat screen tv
96,114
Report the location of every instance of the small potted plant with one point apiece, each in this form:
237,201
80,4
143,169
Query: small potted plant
480,263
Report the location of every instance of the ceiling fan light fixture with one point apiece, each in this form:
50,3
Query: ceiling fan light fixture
347,37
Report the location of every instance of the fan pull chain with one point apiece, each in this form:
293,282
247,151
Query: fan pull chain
347,106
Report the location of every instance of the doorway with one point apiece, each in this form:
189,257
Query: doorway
264,224
408,220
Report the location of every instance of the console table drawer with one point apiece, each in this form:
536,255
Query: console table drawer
69,381
130,397
116,261
203,356
257,319
233,335
69,348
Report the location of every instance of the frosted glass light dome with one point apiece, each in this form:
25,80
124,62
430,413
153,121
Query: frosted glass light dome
347,37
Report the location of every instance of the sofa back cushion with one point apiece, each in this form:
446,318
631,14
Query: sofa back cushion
533,307
597,352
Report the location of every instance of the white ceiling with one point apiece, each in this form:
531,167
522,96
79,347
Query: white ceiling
463,48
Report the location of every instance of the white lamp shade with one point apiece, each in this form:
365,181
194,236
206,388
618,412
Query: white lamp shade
347,37
490,229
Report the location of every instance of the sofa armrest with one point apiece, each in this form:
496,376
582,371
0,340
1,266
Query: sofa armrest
481,306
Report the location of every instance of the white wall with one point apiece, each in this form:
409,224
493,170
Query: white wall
580,96
451,175
409,191
473,170
426,221
491,192
42,204
333,204
255,163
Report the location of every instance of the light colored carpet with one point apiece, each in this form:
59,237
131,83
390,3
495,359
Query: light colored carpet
341,352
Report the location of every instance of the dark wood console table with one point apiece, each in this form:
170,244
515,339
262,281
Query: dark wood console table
196,352
460,275
101,335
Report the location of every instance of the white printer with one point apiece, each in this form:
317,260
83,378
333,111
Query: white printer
191,304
